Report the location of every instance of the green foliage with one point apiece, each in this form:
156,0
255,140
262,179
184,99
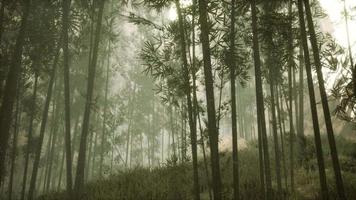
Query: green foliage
157,4
134,118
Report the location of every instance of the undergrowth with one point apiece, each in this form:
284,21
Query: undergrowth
173,181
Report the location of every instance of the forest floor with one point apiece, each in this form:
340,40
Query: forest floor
174,180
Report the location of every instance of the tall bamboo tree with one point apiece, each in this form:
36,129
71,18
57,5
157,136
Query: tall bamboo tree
260,101
79,179
42,128
15,138
325,105
103,136
65,24
271,77
300,132
232,65
29,137
290,96
209,87
193,130
318,147
195,103
9,96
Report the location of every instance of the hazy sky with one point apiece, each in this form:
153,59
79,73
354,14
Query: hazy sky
336,23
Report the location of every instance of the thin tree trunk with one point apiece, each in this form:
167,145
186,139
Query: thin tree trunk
290,94
2,10
178,139
221,87
239,109
142,155
235,162
195,103
112,161
47,161
54,141
54,131
275,139
172,129
65,22
319,151
325,105
75,136
182,134
209,87
2,67
149,139
57,161
162,146
154,131
272,72
29,139
300,132
204,154
280,91
282,133
9,96
94,154
169,143
128,136
14,141
40,181
87,165
61,170
242,119
261,159
91,38
103,136
291,128
295,97
42,130
260,102
192,126
79,181
131,139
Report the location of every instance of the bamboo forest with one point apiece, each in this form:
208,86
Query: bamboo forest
177,100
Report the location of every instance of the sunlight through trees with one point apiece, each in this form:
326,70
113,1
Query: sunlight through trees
177,99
